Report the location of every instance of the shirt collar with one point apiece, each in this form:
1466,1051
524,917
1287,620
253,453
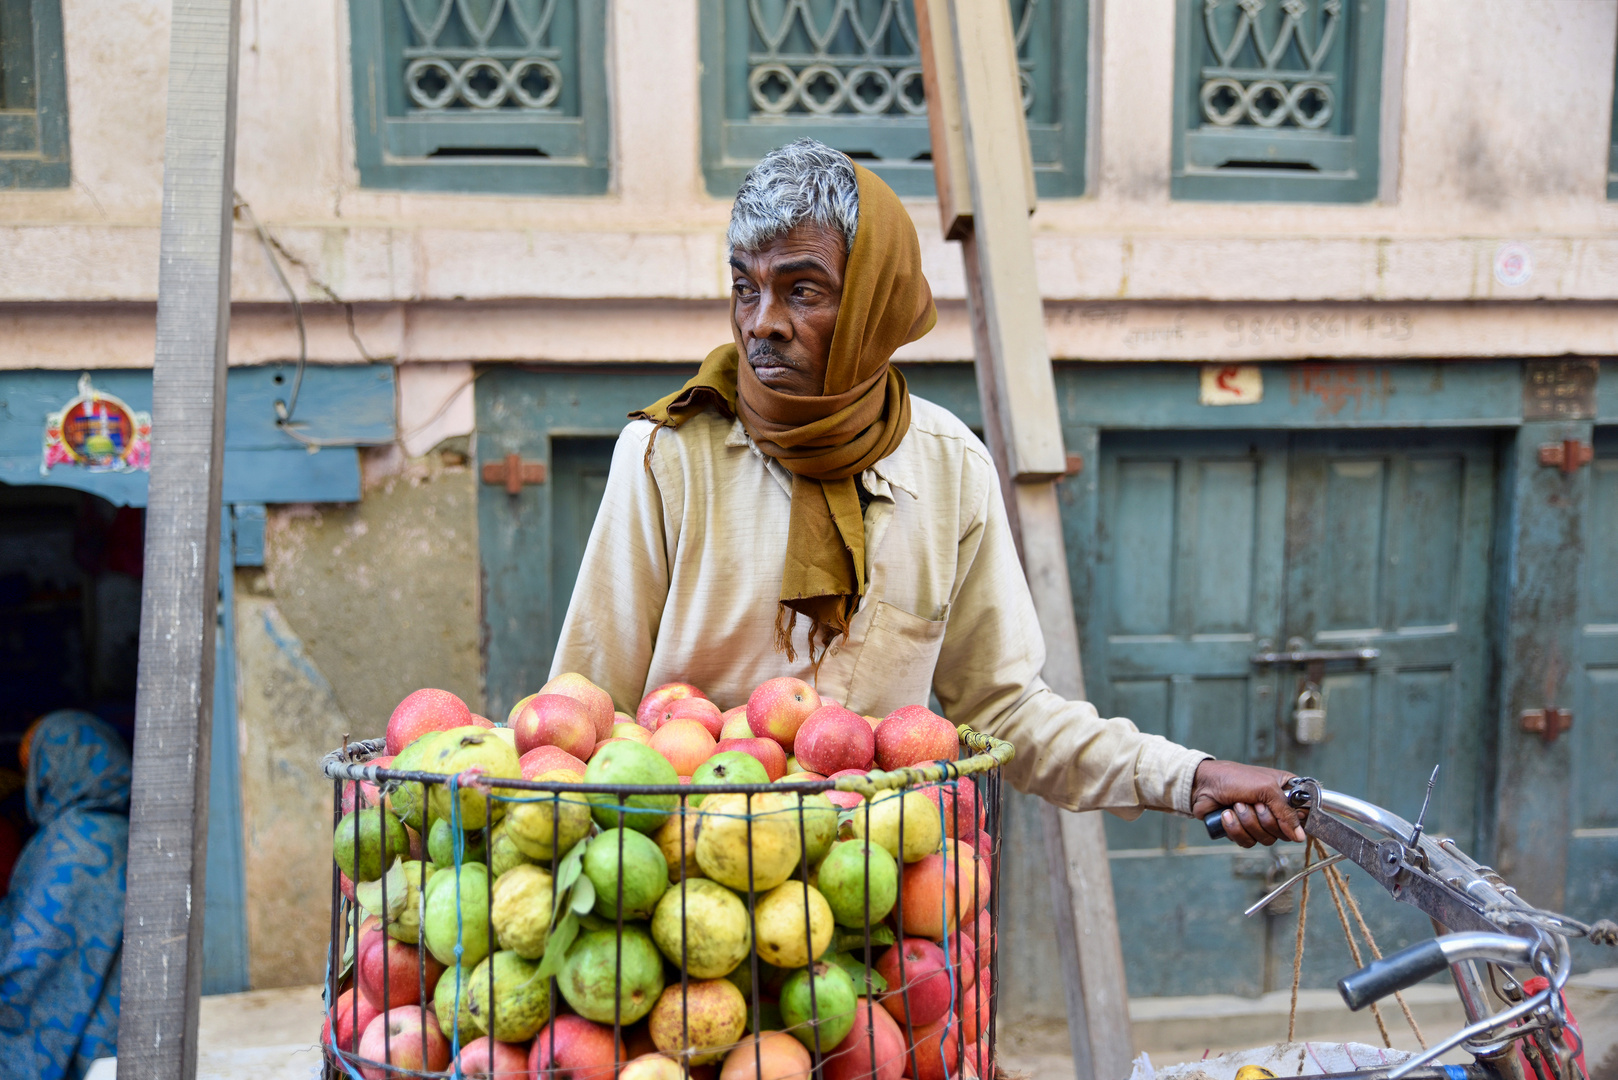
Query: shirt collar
893,471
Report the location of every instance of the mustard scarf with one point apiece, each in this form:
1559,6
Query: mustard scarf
825,442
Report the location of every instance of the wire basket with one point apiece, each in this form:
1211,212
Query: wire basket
570,935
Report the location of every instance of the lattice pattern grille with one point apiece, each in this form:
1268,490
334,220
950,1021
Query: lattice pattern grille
849,57
1272,65
481,54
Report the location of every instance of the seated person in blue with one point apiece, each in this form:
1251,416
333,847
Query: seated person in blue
62,923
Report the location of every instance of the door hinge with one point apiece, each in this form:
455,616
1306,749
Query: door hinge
514,472
1548,724
1569,455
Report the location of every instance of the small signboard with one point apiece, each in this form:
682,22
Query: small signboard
97,432
1232,384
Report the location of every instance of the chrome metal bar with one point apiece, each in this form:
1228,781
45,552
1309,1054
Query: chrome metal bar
1366,813
1291,881
1314,656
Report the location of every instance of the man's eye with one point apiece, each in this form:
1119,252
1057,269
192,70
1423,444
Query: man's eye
741,288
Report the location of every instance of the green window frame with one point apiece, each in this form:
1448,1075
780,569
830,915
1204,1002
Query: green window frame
853,81
1612,151
496,96
1277,100
33,96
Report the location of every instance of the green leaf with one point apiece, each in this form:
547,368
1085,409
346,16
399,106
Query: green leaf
561,940
872,980
571,866
583,897
369,893
853,941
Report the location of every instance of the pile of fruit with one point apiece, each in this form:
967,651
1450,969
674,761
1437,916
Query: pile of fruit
699,930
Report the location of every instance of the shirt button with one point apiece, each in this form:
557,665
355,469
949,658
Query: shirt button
835,649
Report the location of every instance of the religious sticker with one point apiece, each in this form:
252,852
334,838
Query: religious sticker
1513,265
98,432
1231,384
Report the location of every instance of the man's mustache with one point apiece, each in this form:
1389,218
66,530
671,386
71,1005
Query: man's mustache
765,354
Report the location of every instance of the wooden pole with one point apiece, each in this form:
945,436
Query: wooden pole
168,811
980,144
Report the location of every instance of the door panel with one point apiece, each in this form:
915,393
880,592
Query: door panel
580,466
1213,543
1187,582
1592,865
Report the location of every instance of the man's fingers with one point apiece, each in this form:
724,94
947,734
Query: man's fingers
1235,832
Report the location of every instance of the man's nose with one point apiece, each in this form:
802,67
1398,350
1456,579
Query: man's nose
773,321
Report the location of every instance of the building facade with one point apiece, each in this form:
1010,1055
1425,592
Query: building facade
1332,286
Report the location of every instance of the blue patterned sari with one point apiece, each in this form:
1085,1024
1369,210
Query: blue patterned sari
62,923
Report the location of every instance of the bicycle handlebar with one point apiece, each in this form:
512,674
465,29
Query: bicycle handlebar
1408,967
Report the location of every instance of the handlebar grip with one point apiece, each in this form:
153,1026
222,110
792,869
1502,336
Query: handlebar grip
1402,970
1215,824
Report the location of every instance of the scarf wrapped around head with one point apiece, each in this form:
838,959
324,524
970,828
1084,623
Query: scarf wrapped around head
860,417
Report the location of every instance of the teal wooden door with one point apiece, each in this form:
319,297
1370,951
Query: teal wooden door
1212,546
1592,858
1388,540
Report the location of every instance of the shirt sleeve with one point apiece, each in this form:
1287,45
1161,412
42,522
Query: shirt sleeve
988,677
623,579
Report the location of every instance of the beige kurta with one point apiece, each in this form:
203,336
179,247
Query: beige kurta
682,574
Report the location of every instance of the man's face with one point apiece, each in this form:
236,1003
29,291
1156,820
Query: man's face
785,307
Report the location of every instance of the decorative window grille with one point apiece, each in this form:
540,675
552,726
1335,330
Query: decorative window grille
848,72
1278,99
481,95
33,96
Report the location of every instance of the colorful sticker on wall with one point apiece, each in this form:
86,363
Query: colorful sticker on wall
98,432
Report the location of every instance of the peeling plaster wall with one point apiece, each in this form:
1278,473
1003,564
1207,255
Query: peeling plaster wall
357,606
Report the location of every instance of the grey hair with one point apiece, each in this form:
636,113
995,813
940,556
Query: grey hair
802,181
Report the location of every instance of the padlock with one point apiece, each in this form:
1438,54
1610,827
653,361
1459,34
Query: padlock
1309,716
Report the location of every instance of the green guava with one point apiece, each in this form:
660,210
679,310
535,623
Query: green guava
826,1014
639,867
843,877
441,844
819,828
719,934
381,838
600,975
471,748
730,767
522,1000
523,897
444,1005
504,854
628,765
440,916
408,800
546,825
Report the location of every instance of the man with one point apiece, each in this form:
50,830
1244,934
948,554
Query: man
793,510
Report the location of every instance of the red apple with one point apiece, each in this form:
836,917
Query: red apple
778,708
973,1010
699,709
846,800
424,711
555,720
574,1048
482,721
735,725
915,735
488,1059
768,752
544,759
353,1013
957,801
686,743
833,739
981,931
975,1061
940,890
596,700
964,956
402,986
399,1037
852,1059
936,1051
922,987
653,704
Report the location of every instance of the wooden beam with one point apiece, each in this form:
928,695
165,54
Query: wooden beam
168,812
981,137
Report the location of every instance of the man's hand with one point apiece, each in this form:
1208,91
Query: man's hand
1257,808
